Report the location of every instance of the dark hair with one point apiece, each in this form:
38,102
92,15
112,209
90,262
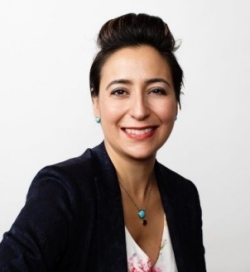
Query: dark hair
135,30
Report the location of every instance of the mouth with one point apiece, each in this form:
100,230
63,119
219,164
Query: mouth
139,133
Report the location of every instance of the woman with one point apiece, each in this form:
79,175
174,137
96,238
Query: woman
115,208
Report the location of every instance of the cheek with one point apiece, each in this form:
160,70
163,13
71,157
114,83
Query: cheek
110,113
167,111
111,107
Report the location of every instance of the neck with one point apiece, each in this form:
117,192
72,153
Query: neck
135,175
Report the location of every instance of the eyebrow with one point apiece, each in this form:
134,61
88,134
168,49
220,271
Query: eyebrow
149,81
118,81
155,80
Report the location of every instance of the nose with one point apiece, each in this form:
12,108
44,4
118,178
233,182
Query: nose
139,108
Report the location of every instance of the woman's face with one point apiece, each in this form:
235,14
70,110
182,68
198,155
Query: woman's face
136,102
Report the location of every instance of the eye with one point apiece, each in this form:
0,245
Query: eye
158,91
119,92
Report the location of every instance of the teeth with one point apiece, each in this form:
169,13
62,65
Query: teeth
138,131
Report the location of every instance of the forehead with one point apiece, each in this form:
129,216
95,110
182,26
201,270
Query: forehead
141,62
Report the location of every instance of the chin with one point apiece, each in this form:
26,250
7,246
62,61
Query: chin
140,155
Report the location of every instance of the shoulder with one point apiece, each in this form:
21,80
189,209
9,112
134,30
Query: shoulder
174,182
74,176
77,165
181,195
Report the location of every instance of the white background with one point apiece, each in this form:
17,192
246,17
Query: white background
46,49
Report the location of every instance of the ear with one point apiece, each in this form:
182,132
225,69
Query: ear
95,101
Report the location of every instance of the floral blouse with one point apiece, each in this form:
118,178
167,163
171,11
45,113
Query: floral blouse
138,261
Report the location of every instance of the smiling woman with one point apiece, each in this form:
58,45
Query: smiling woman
116,208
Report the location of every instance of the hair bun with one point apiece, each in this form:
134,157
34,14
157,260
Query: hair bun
132,29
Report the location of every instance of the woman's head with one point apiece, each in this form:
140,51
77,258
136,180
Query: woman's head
131,30
136,102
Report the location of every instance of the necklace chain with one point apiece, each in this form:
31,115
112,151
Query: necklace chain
141,212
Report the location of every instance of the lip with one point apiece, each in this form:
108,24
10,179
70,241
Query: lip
139,133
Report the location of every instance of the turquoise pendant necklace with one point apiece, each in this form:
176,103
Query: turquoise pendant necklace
142,215
141,212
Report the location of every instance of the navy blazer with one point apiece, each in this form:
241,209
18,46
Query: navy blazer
73,220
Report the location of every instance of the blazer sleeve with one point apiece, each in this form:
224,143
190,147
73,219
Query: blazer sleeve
38,237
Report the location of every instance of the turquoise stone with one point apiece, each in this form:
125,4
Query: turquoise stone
142,214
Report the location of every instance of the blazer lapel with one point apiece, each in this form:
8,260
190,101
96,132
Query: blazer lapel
170,205
111,245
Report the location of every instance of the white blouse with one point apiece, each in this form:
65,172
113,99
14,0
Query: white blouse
138,261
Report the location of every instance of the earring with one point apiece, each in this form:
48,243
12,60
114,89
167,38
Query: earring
98,120
175,118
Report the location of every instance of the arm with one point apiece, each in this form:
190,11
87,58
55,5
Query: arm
39,235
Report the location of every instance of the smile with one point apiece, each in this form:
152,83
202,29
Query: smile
138,131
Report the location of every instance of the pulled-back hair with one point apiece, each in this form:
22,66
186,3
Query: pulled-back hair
135,30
